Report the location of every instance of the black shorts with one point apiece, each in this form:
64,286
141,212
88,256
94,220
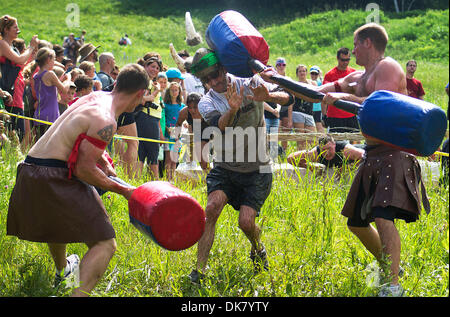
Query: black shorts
317,116
284,112
249,189
147,127
343,125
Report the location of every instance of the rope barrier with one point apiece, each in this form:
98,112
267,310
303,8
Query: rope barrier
276,136
116,136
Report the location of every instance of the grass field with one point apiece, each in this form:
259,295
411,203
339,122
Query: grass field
311,252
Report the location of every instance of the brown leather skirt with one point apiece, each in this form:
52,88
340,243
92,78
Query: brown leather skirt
387,177
46,206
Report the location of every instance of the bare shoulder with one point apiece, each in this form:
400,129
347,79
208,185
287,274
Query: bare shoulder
6,51
102,125
388,63
390,76
95,114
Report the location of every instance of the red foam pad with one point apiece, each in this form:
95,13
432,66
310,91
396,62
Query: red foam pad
168,215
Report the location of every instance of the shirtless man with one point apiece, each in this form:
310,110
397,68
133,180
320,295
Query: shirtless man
389,188
53,200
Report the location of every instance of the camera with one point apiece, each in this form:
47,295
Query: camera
149,104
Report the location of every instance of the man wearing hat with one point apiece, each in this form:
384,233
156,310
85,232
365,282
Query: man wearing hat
230,106
88,52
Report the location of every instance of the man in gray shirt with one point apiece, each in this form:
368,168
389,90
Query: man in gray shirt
241,177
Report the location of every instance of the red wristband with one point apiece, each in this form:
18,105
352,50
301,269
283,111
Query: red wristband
337,87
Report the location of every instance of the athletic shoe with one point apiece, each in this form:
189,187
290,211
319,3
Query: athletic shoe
391,291
259,259
196,276
71,277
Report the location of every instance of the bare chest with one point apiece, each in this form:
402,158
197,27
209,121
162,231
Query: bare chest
365,85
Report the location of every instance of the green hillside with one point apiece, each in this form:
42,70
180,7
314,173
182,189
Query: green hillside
314,39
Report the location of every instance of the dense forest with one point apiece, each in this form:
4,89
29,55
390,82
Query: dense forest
280,9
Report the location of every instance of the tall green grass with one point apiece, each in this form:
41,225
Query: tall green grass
311,252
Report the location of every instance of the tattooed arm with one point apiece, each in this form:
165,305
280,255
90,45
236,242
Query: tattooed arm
92,165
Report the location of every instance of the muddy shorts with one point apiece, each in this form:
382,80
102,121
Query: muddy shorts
249,189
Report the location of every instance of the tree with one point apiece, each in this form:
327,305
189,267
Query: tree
397,9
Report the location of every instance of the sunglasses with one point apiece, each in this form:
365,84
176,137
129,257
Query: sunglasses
211,76
281,64
345,59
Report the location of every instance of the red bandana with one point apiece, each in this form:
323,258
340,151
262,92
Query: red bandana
72,161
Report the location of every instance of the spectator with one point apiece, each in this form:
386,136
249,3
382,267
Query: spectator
83,86
148,116
189,114
89,70
115,72
280,66
81,38
74,73
68,64
71,46
11,66
285,125
89,53
59,51
47,85
413,85
339,120
191,83
19,44
125,40
107,63
272,119
29,101
174,75
316,76
302,111
161,79
67,99
329,153
172,106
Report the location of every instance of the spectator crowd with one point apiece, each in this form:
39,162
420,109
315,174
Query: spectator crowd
43,79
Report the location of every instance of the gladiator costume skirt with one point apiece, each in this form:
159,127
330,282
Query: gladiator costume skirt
387,178
47,206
